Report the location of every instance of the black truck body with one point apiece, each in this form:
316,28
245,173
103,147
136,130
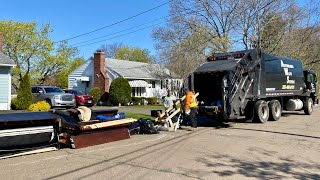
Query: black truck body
254,84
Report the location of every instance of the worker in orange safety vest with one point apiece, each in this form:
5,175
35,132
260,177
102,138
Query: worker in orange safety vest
191,107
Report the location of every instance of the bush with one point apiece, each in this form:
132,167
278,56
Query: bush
152,100
39,106
95,93
24,98
14,102
137,100
120,91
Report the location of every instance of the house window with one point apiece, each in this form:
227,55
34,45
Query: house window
153,84
136,92
133,92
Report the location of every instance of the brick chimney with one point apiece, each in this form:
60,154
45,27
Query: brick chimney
101,79
0,42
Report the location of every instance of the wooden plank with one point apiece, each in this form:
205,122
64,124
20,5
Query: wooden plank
170,108
168,119
107,124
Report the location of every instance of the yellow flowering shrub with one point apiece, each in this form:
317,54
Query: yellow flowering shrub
39,106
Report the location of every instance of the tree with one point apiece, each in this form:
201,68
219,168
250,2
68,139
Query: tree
62,77
33,51
111,49
133,54
120,91
96,93
124,52
197,28
24,98
50,65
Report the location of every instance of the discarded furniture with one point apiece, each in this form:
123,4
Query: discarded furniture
22,133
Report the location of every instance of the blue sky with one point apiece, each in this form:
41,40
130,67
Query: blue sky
70,17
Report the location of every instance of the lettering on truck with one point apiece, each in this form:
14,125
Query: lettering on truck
287,73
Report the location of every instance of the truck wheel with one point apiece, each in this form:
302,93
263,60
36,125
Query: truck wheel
308,106
261,111
275,110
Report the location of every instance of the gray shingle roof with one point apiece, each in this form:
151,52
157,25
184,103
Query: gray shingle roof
136,70
5,60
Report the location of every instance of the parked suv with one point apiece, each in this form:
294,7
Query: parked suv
54,96
81,98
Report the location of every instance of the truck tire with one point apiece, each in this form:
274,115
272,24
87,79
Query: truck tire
275,110
261,111
308,106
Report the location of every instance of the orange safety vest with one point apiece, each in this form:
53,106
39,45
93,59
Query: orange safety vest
191,100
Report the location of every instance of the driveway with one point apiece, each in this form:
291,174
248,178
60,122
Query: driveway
286,149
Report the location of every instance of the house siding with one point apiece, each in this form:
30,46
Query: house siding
5,87
74,81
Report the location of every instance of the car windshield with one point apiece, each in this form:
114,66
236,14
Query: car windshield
75,92
53,90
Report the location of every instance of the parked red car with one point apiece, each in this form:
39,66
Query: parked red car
81,98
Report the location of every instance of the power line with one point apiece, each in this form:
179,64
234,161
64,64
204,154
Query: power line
118,22
74,45
120,31
131,32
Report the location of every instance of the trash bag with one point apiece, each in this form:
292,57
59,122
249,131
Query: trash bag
146,126
134,128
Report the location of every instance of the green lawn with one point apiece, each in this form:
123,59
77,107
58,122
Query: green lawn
151,107
138,116
160,107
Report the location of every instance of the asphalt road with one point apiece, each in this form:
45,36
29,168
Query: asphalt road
286,149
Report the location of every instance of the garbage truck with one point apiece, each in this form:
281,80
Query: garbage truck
254,84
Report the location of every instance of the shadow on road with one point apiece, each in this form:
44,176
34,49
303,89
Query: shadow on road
275,132
151,149
261,168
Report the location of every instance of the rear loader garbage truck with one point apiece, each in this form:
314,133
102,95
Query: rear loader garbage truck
254,84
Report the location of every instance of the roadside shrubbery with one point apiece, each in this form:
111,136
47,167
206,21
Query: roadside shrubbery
141,100
95,93
138,100
39,106
14,103
24,98
152,100
120,91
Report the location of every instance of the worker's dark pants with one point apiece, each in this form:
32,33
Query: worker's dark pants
193,117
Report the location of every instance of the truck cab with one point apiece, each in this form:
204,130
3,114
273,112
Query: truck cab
311,84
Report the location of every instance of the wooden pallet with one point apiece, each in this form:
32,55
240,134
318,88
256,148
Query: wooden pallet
171,112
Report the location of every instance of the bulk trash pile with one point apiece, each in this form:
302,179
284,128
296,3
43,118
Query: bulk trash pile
35,132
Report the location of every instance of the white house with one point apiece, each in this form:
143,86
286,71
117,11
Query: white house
146,80
6,65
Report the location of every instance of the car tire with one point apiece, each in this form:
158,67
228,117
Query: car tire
261,111
275,110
